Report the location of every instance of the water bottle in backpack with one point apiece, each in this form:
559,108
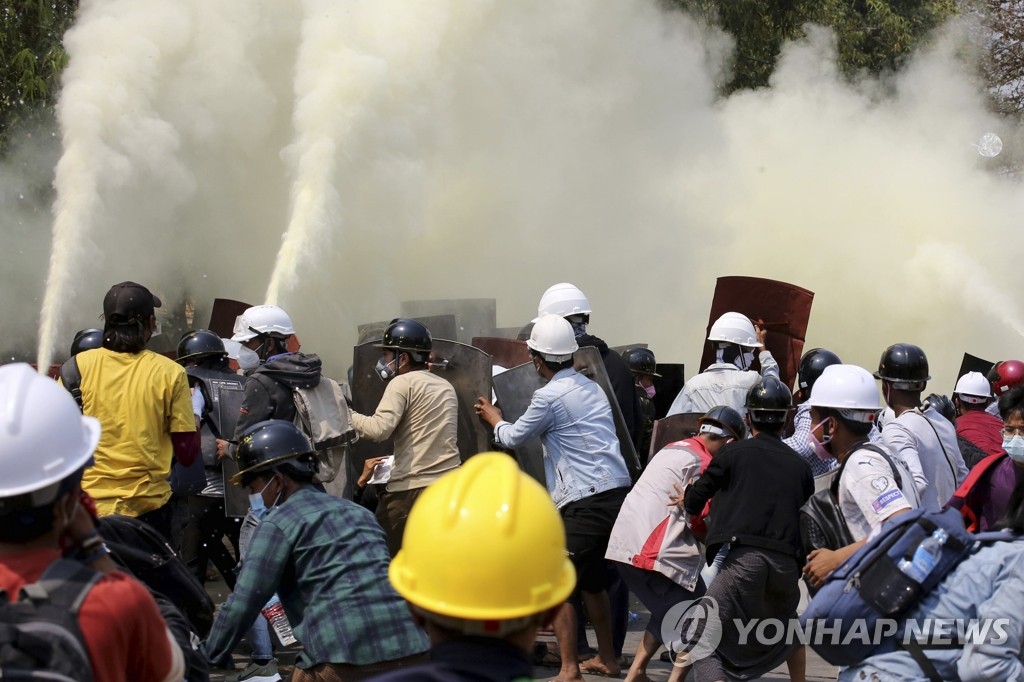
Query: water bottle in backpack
925,556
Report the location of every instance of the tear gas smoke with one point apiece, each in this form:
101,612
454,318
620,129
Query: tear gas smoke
446,150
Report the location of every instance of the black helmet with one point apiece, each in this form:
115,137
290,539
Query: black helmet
86,339
641,361
407,335
812,364
274,444
768,401
905,365
943,405
198,344
726,417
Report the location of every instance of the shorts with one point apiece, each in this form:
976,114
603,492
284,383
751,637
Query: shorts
657,592
588,524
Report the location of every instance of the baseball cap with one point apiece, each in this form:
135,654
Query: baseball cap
129,300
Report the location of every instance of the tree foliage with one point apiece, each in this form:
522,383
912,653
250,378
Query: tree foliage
872,35
31,59
1002,29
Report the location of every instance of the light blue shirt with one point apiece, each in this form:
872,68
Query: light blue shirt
987,586
572,417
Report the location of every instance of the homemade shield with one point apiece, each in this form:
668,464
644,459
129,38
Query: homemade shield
473,316
972,363
222,317
667,386
783,309
674,428
507,353
514,390
587,361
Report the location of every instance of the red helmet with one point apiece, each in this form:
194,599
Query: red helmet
1005,375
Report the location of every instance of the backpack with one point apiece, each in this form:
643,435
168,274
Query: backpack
71,379
961,498
322,412
39,634
842,620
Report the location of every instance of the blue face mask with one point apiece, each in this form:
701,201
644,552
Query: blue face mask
257,505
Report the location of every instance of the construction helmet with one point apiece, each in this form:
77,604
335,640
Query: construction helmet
44,438
274,444
973,388
86,339
641,361
1005,375
198,344
849,389
508,545
262,320
905,366
553,338
409,335
768,401
563,299
728,420
812,364
734,328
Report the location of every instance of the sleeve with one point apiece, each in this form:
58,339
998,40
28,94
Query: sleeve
711,481
262,567
997,656
382,424
902,442
769,367
180,416
800,440
868,479
536,421
256,406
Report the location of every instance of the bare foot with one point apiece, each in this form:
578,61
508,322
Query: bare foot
596,666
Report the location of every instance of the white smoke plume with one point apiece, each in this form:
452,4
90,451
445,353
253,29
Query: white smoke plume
412,150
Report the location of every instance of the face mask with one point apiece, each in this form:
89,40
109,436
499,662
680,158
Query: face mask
1015,448
744,360
256,503
157,329
384,371
248,360
650,391
819,445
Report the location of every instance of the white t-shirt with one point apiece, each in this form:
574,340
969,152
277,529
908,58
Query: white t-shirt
868,493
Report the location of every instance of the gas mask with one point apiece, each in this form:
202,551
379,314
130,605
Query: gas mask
819,445
384,370
578,324
1015,448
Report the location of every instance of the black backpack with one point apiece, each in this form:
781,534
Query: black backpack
39,634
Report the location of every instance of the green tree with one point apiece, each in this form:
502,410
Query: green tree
31,60
873,35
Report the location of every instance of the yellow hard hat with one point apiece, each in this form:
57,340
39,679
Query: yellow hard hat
484,542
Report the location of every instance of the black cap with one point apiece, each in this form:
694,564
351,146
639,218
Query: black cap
129,300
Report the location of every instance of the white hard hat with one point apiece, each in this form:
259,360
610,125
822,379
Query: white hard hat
43,437
973,388
553,338
847,388
563,299
261,319
734,328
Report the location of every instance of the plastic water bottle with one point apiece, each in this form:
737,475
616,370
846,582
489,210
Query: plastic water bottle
274,613
709,572
925,556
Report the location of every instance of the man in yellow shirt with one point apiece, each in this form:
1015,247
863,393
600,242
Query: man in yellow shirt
143,403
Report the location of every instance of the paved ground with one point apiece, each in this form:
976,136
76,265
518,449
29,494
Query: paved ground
817,669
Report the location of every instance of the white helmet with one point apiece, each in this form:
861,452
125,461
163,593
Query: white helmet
848,388
262,319
734,328
553,338
43,437
973,388
563,300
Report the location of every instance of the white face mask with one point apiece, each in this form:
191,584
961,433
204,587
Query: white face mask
248,359
1015,448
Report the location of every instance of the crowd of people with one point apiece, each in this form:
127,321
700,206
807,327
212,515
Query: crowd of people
450,568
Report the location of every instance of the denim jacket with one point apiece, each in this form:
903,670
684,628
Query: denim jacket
572,417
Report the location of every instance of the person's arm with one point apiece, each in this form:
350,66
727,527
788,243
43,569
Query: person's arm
769,367
901,441
382,423
821,562
262,567
711,481
997,656
800,440
536,421
181,422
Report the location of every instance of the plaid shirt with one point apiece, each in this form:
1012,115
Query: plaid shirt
327,559
799,441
